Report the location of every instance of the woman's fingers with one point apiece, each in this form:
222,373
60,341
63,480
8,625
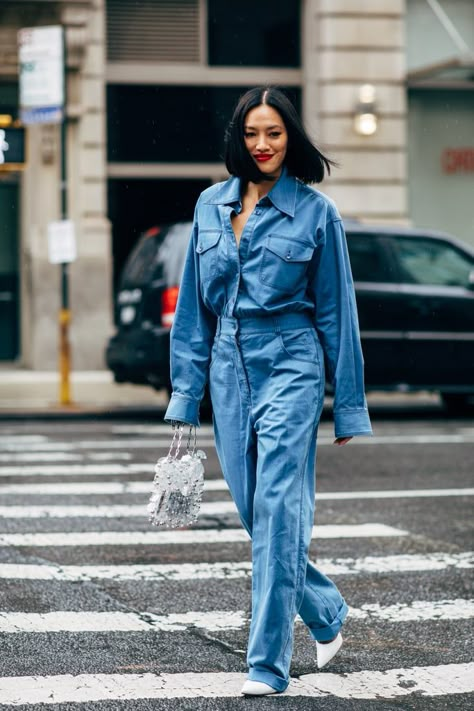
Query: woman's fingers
342,440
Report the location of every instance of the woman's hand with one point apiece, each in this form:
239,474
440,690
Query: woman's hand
342,440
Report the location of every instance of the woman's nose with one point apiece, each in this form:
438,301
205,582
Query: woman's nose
262,143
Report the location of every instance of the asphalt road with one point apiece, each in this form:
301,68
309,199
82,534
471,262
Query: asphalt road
105,614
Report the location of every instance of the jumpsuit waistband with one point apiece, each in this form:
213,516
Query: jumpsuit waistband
231,326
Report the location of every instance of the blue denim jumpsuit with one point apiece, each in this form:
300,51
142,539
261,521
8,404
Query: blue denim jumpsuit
263,321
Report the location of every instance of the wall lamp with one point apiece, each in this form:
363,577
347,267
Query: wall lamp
365,117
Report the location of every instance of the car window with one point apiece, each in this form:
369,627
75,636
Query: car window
432,262
173,251
141,262
368,260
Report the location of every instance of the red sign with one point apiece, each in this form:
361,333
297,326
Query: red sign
457,160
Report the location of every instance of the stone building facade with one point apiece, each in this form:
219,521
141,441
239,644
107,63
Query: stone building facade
39,190
148,59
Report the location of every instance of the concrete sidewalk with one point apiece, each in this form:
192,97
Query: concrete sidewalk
36,393
28,393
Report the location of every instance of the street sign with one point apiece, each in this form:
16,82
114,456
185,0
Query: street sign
41,60
12,146
61,242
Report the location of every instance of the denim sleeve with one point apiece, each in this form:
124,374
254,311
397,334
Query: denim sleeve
191,339
338,329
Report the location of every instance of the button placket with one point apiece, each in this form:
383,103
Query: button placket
234,256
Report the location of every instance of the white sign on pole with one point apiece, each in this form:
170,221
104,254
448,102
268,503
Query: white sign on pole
41,60
61,242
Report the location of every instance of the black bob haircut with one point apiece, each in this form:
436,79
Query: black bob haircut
303,159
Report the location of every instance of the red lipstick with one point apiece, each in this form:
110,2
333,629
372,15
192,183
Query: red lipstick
263,157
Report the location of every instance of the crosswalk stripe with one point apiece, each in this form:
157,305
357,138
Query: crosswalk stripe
24,439
77,469
107,487
212,508
41,457
83,688
99,456
163,572
182,537
110,444
152,443
144,487
215,620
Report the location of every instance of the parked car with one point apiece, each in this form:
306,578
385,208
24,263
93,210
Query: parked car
415,297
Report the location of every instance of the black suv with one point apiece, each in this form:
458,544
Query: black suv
415,298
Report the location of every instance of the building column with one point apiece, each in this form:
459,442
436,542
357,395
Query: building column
347,43
90,282
91,275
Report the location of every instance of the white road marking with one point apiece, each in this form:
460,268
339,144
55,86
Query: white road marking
94,488
63,456
41,457
417,611
25,439
15,622
163,572
83,688
215,620
112,444
108,456
78,469
144,487
182,537
212,508
153,430
149,443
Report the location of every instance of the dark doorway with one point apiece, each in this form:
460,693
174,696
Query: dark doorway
9,280
135,205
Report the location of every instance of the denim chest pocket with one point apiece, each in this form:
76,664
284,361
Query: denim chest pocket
284,262
207,250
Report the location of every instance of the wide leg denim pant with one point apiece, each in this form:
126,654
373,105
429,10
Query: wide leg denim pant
267,390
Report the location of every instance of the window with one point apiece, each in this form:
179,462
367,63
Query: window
153,31
368,261
249,33
432,262
171,124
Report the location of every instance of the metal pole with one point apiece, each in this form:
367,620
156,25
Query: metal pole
64,313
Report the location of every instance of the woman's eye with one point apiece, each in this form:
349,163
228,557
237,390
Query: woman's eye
249,135
275,134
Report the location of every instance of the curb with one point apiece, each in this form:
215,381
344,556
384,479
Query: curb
84,413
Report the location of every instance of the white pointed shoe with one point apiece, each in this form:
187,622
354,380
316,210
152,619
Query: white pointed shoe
325,652
257,688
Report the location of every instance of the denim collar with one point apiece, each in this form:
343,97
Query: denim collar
282,195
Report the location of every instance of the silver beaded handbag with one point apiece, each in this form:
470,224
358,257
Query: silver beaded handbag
178,484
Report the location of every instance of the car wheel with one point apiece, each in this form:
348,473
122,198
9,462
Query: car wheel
457,403
119,377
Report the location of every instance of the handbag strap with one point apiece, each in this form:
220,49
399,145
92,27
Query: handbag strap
178,430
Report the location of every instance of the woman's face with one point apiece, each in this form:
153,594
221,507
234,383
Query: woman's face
266,139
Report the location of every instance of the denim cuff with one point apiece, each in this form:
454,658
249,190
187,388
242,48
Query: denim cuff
350,423
326,633
183,409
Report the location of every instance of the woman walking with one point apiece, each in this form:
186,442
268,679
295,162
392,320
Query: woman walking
266,307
